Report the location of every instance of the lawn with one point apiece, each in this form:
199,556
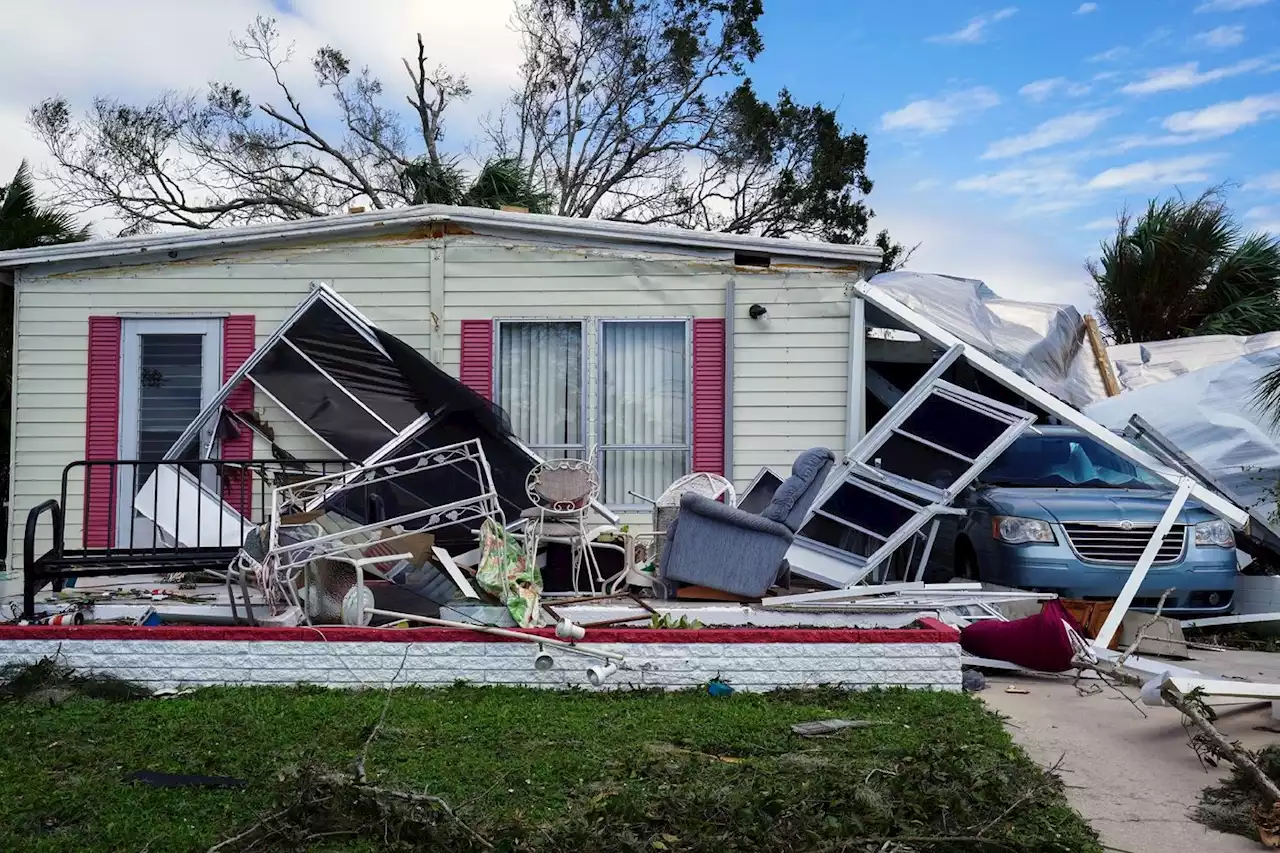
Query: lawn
526,770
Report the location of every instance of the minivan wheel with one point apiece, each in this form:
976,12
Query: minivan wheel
967,562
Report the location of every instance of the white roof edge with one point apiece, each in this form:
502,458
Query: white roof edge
622,233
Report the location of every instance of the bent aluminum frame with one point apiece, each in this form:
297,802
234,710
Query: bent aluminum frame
1185,487
468,455
362,325
1033,393
925,501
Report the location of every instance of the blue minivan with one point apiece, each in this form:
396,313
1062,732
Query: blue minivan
1061,512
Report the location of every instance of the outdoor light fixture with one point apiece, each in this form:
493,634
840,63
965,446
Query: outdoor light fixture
756,311
542,660
566,630
598,675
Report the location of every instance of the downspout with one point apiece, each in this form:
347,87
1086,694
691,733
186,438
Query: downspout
856,405
730,299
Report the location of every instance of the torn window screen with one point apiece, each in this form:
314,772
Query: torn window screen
357,365
324,407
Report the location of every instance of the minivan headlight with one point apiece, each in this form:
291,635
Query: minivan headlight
1216,532
1019,531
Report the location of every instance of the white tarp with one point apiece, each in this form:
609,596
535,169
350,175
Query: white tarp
1041,341
1199,393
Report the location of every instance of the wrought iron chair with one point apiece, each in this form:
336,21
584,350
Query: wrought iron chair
562,491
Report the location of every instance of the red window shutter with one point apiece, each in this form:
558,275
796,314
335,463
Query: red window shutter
238,344
475,368
101,429
708,396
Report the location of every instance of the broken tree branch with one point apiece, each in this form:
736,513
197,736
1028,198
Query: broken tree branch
1142,632
1230,751
386,705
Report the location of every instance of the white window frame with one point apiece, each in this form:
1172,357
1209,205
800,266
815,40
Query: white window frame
601,447
550,451
131,332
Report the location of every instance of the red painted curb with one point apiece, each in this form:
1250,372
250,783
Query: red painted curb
933,632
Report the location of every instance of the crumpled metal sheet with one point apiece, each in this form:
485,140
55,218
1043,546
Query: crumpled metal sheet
1139,365
1041,341
1199,392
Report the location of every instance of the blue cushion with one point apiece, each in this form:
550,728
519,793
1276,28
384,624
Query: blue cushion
808,468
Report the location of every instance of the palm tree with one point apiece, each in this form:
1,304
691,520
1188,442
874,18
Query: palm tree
500,182
1185,268
24,224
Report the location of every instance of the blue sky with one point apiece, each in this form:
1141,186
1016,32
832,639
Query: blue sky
1043,119
1004,136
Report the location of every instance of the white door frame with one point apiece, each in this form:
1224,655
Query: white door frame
131,330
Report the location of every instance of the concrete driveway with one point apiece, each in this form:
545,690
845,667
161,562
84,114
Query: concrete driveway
1133,778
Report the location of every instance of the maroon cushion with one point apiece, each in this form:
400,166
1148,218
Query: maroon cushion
1036,642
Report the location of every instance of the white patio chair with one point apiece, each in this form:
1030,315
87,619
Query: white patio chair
562,491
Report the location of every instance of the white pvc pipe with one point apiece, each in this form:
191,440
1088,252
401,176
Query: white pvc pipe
497,632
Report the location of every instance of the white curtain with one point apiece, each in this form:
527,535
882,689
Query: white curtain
540,385
644,390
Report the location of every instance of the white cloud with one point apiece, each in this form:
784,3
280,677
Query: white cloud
1176,170
976,30
1220,38
1189,76
1086,8
1265,219
1055,131
1229,5
1040,91
1099,225
87,47
1270,182
1030,180
1049,185
925,184
1224,118
935,115
1109,55
1016,259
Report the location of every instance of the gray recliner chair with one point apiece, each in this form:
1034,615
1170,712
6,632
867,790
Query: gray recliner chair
725,548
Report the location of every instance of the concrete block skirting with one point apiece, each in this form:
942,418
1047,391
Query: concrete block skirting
747,658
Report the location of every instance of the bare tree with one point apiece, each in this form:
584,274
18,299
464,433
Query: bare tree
218,158
640,110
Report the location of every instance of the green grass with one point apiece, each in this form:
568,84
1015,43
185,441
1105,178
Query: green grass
536,770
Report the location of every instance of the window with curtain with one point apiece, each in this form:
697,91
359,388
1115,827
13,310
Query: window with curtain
644,407
540,385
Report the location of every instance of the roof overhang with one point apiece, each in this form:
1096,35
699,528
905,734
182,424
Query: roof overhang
499,223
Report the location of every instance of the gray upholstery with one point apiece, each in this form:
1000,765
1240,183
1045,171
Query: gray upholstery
711,544
796,494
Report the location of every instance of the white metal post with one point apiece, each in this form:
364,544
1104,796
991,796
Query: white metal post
1139,573
856,418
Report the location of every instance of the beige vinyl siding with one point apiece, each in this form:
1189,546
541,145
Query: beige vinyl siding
790,368
387,281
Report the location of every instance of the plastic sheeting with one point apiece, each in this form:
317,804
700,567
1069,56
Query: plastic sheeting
1041,341
1199,393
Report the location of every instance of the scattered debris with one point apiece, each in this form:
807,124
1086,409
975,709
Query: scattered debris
825,728
156,779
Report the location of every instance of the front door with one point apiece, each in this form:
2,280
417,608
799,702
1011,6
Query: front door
169,370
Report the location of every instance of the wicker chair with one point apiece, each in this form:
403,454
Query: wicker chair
667,506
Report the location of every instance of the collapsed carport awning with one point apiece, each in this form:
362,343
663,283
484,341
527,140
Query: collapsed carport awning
369,396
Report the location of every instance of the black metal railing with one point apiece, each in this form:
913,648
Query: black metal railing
187,525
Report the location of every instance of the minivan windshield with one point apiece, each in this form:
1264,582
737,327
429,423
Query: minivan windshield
1066,461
